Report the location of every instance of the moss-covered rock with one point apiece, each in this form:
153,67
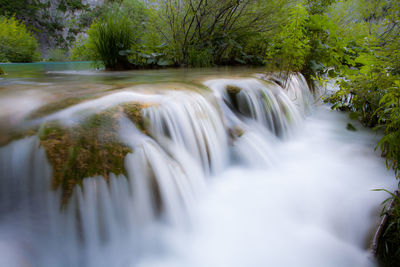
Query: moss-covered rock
89,149
134,112
232,92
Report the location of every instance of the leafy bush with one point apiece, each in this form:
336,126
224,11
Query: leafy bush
290,48
81,50
198,57
204,33
57,55
16,43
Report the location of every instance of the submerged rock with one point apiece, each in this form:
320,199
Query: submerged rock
232,92
134,112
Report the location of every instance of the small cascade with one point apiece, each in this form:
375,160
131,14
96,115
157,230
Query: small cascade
28,206
262,102
21,189
296,88
173,184
189,121
299,93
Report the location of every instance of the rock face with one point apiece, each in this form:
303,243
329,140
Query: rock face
59,22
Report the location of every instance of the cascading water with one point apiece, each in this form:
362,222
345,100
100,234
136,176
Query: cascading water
187,120
277,181
264,103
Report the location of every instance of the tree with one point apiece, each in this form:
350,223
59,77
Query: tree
17,44
200,32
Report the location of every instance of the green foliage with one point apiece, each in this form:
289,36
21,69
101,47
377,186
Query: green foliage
318,6
372,91
182,33
20,8
200,57
289,50
57,55
16,43
81,51
203,33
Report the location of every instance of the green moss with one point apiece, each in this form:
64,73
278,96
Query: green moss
89,149
134,112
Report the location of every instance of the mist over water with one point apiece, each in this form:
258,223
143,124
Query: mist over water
258,175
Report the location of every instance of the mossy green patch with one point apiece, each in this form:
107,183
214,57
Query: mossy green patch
89,149
134,112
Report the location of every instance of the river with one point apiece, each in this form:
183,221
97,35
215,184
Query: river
223,169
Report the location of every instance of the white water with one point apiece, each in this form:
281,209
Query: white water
313,208
255,185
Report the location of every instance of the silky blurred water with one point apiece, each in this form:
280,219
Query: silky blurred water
268,177
313,207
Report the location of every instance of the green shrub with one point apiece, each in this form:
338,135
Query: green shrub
290,48
200,57
57,55
81,50
16,43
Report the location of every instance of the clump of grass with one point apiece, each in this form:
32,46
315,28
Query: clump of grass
114,36
110,36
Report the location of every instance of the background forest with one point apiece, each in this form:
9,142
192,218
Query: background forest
354,42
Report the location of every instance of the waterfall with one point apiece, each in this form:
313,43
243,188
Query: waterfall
188,140
188,121
264,103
